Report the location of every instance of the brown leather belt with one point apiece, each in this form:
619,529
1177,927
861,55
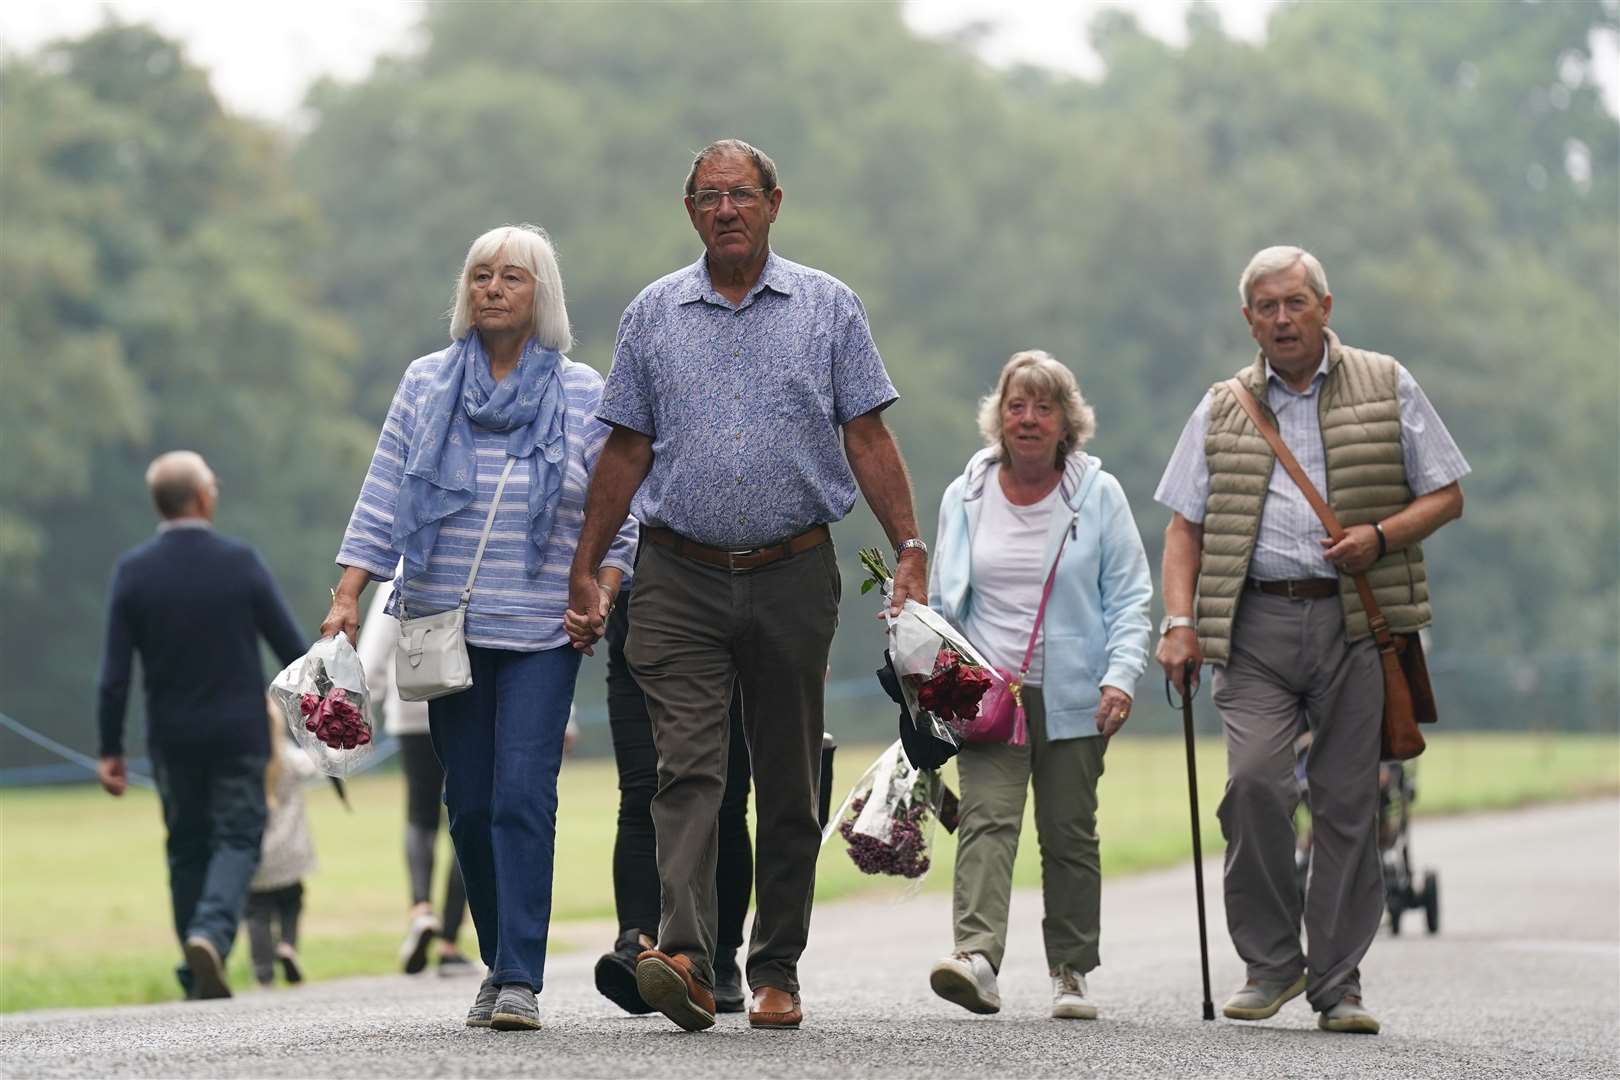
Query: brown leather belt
736,561
1311,588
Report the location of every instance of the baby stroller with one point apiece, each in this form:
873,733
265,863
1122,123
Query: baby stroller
1397,791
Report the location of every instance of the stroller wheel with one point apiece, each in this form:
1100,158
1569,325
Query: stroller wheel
1431,900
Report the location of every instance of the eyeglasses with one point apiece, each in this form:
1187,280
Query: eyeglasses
742,198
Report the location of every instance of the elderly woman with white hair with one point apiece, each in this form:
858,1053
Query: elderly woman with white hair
499,419
1038,561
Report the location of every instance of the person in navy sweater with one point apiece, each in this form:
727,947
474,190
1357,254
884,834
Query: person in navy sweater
194,605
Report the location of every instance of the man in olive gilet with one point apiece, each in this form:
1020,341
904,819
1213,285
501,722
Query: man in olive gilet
1253,585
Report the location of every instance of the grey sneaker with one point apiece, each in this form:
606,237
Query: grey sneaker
1259,999
968,980
483,1006
515,1009
1069,1001
1348,1016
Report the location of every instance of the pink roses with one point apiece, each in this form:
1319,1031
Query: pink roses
334,719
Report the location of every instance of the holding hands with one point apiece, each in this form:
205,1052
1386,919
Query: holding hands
590,602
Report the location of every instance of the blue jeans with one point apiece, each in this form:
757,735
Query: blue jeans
500,742
214,810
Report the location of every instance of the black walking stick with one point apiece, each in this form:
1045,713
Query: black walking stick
1190,691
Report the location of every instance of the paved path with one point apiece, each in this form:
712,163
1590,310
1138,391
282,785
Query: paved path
1524,980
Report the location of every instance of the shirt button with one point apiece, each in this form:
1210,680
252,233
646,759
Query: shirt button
739,479
736,352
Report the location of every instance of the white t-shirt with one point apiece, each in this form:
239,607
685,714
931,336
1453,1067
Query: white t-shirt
1007,575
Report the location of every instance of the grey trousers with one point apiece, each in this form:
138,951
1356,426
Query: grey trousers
995,782
695,631
1290,665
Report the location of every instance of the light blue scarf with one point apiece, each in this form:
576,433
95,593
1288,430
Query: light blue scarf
441,466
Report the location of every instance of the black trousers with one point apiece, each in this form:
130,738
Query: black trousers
271,917
424,803
214,810
635,862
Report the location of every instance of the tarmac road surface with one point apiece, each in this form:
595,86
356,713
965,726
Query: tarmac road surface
1522,981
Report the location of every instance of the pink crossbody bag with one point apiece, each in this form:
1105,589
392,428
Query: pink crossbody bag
1001,710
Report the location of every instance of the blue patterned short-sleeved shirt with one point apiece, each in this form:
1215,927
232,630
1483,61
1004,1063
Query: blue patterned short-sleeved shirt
745,404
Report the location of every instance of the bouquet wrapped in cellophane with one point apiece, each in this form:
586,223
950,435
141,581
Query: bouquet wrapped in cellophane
888,819
323,699
941,675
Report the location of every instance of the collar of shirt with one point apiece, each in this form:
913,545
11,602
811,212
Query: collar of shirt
699,286
1316,380
184,523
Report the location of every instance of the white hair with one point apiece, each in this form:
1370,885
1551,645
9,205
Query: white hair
175,479
528,247
1274,260
1037,373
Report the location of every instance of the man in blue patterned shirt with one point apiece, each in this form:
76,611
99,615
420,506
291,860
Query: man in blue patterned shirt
746,400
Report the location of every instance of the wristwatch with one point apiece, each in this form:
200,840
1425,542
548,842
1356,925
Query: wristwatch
905,545
1175,622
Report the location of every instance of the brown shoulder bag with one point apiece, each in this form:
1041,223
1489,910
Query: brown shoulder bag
1408,696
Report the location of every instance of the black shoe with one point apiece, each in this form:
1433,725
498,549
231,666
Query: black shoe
287,956
207,968
728,988
616,974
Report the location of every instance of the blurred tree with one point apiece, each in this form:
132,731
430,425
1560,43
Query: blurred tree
153,295
1450,164
978,214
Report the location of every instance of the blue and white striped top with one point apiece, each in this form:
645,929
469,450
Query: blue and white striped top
509,609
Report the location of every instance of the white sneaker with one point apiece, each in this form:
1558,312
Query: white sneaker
1069,1000
968,980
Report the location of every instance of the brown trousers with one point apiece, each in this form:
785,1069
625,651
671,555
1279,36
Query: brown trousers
1291,666
695,631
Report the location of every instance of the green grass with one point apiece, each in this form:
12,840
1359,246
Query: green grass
84,905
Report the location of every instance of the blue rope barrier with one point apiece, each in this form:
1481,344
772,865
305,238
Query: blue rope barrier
67,752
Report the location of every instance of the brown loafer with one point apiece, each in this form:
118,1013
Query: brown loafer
774,1010
668,984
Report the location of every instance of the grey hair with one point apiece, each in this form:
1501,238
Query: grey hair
175,479
1274,260
1038,373
528,247
762,161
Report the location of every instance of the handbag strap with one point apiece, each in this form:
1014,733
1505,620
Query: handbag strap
489,523
1375,616
1051,575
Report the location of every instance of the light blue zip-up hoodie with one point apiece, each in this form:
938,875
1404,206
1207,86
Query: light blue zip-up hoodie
1097,629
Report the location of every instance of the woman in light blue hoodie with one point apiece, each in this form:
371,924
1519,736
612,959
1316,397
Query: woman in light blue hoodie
1030,492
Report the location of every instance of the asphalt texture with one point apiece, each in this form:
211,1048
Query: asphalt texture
1523,980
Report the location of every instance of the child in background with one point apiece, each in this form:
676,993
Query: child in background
288,853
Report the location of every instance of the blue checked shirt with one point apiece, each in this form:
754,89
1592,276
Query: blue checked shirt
744,404
1287,545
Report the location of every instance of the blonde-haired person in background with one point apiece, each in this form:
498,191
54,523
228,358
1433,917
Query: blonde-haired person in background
286,857
1000,526
501,401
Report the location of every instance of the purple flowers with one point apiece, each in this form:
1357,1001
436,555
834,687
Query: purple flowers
905,854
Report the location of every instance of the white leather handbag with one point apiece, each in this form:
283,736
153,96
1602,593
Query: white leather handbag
430,660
